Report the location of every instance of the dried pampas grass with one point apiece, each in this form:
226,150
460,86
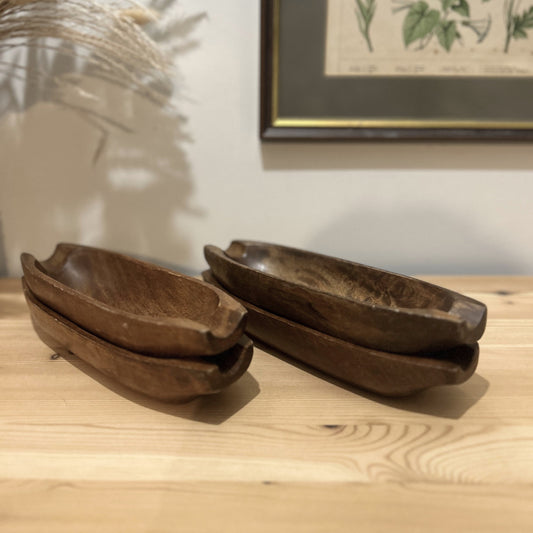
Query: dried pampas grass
107,35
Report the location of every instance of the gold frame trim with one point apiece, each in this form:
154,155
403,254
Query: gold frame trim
290,122
404,124
275,64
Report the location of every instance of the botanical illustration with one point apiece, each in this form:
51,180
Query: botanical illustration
517,22
365,9
430,37
423,23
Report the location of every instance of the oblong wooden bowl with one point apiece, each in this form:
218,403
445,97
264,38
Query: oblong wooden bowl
388,374
360,304
133,304
166,379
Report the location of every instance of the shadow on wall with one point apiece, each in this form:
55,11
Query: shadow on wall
110,171
445,246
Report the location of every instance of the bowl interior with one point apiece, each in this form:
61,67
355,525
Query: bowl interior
132,286
342,278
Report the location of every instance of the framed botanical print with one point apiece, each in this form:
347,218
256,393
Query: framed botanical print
397,69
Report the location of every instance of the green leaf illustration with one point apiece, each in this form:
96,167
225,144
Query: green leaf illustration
364,11
462,8
517,24
446,32
419,22
422,23
523,22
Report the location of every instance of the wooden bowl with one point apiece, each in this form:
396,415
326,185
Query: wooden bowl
384,373
166,379
357,303
133,304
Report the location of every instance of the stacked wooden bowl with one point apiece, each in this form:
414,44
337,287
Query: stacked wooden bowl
387,333
161,333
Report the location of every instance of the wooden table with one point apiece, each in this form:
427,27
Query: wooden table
280,450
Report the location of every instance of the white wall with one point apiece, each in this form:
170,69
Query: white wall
172,186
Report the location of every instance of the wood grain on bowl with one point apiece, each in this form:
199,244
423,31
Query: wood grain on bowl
360,304
384,373
134,304
168,379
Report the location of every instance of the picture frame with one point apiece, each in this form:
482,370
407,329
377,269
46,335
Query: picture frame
299,101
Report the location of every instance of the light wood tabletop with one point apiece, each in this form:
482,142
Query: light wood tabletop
283,449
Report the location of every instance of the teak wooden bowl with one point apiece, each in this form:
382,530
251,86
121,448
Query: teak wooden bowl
166,379
350,301
384,373
133,304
